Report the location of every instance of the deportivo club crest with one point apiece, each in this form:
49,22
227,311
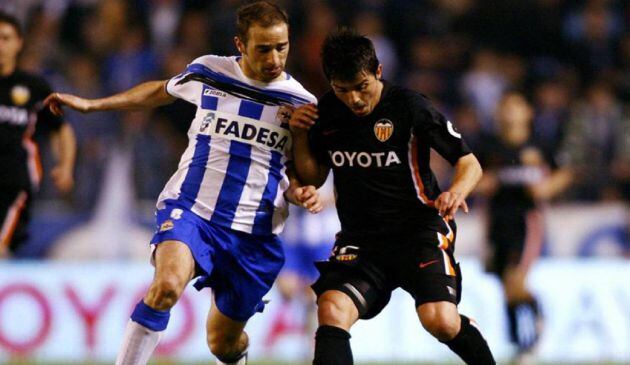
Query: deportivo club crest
20,95
383,129
283,116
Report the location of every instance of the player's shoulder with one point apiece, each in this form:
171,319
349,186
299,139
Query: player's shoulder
295,87
223,64
34,85
30,79
398,94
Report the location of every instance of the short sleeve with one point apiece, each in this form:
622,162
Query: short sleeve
440,133
183,88
316,144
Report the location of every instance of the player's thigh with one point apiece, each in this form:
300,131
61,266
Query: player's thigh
174,262
360,280
221,328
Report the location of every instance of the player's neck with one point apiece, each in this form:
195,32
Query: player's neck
7,68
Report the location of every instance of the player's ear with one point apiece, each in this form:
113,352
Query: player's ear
379,71
239,44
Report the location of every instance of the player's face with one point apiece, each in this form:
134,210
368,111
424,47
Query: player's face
10,43
265,52
362,94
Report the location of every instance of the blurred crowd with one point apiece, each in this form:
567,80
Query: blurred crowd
570,58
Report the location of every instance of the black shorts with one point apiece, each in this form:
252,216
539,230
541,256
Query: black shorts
505,254
507,235
421,264
14,215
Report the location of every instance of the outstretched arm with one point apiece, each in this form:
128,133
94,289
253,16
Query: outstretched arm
307,167
146,95
467,174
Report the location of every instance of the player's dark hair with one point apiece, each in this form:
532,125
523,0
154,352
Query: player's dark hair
345,54
263,13
11,20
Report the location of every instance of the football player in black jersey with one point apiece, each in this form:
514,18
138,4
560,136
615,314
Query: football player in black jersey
21,108
518,177
397,227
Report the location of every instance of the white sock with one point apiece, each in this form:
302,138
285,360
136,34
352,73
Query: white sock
138,344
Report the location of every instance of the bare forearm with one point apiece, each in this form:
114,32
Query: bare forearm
146,95
559,181
294,183
65,147
307,167
468,172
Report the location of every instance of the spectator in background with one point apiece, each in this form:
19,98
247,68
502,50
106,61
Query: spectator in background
164,17
483,85
95,132
425,73
370,24
194,34
595,135
321,19
468,124
552,110
592,32
622,74
133,63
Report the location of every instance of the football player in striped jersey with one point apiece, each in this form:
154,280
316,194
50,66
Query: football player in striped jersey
219,215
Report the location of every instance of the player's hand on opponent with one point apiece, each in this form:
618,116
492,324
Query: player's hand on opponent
55,101
308,198
448,203
303,118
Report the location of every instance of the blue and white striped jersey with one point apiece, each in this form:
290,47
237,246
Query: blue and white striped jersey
233,170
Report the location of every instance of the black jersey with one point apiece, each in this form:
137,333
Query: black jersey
380,162
21,107
516,167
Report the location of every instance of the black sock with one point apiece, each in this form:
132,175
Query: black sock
332,346
523,323
232,359
470,345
